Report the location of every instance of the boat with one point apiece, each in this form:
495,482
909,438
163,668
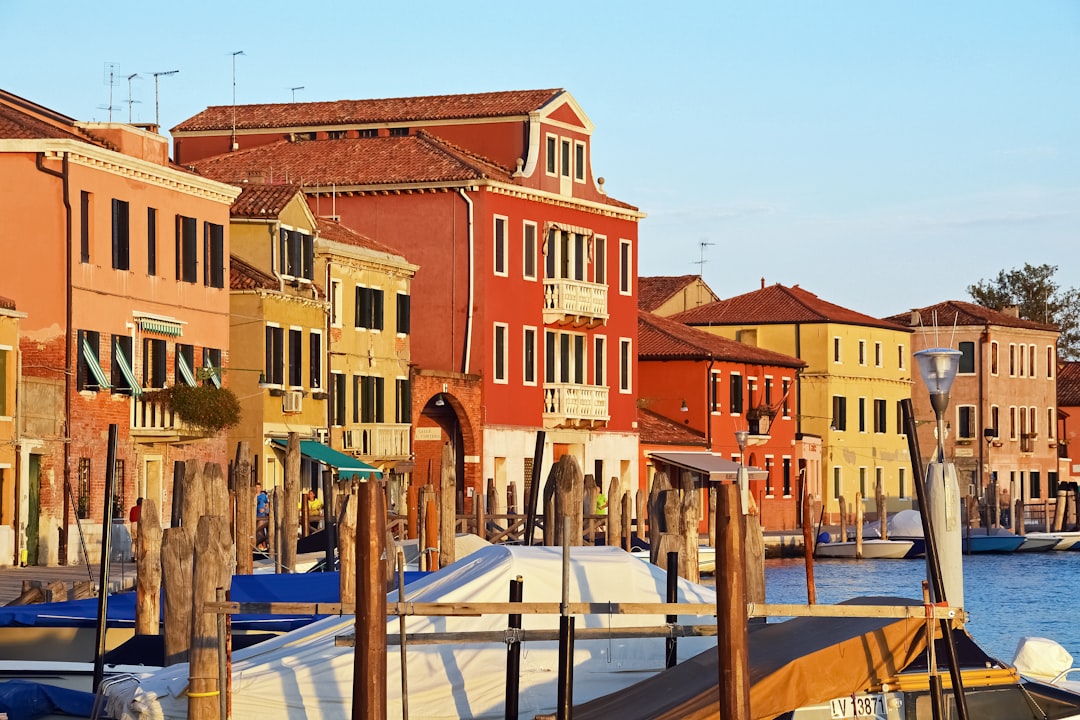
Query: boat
907,525
307,673
977,542
706,558
817,668
1067,539
1040,543
872,549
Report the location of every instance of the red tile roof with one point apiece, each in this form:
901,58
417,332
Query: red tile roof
660,338
263,201
245,276
655,291
654,429
21,119
418,158
777,305
360,112
958,312
1068,384
333,230
7,303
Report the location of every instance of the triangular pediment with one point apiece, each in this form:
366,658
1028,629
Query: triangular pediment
564,110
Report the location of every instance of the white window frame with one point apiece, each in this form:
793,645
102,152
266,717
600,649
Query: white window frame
770,483
551,150
579,168
974,422
313,332
862,353
526,251
901,356
837,350
335,302
626,366
626,265
499,341
1033,352
288,355
879,354
600,356
503,244
566,164
1051,423
600,251
1051,362
525,355
995,358
572,339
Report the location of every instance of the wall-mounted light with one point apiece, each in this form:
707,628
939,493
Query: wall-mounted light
684,408
439,402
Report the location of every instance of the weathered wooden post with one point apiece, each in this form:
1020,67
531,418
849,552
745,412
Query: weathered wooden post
492,498
568,489
668,513
551,523
656,512
1019,514
712,515
215,487
858,525
882,513
369,666
447,506
589,494
808,545
613,534
288,519
347,549
431,534
843,518
148,570
305,514
177,548
414,512
213,553
193,504
576,508
245,509
733,668
273,536
688,527
627,517
481,522
755,558
1059,508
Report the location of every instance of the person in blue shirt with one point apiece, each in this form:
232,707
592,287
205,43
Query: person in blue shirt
262,517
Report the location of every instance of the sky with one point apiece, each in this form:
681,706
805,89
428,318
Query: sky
883,155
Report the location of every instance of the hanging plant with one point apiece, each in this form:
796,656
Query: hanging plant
206,407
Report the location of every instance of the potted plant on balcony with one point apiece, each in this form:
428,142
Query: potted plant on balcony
205,407
759,417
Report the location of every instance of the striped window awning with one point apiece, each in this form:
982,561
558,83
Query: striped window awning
172,328
90,355
185,370
125,370
212,372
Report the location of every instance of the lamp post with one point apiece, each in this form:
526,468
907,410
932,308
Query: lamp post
990,484
741,436
938,367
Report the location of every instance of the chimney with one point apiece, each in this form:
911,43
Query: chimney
916,318
762,283
256,177
1012,311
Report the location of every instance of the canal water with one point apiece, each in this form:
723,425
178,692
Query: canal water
1007,597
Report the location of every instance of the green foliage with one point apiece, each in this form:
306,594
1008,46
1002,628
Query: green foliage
1033,290
206,407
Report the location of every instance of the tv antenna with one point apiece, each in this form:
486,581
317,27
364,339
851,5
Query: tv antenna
294,89
701,248
111,71
131,102
156,76
232,144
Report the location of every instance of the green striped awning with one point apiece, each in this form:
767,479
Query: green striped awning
90,355
185,370
161,327
213,372
125,370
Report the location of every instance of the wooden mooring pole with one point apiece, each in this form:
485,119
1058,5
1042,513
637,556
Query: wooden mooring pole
369,666
244,490
148,570
732,638
213,555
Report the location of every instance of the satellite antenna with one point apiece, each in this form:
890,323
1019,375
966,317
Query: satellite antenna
156,76
130,102
298,87
232,145
701,247
111,71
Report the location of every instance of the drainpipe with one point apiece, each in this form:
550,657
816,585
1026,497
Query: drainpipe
64,176
708,405
467,349
798,380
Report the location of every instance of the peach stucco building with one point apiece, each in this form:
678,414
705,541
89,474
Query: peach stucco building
119,260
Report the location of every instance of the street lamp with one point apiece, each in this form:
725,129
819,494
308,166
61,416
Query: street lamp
938,368
741,436
990,485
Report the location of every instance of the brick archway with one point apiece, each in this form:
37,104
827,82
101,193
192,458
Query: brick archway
447,410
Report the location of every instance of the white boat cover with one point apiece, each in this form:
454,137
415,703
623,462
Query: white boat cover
303,673
1041,658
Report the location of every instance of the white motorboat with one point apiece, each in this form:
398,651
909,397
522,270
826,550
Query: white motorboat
1066,540
872,549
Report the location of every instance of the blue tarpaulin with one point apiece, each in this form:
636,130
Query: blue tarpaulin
27,700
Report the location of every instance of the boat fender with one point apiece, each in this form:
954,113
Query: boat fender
824,538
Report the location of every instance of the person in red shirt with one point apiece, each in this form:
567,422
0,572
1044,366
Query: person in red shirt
133,518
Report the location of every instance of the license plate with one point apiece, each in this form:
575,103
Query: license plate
860,706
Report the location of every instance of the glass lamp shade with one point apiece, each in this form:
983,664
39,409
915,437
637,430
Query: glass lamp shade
938,367
741,436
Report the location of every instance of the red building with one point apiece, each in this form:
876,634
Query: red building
1068,418
525,304
714,386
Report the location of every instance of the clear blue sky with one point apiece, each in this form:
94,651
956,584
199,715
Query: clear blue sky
882,154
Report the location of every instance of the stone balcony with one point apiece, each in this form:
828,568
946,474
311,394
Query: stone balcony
153,422
574,302
385,441
568,405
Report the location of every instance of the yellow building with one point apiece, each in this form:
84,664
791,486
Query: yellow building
858,371
12,515
368,287
278,316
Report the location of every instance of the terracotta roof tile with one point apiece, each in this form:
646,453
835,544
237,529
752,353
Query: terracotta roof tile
7,303
360,112
21,119
958,312
245,276
656,429
263,201
333,230
1068,384
418,158
775,305
655,291
661,338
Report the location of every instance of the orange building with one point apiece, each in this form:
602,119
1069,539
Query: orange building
1068,400
119,259
524,306
714,386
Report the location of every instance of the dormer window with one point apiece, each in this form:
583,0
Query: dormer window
579,161
552,153
399,132
564,159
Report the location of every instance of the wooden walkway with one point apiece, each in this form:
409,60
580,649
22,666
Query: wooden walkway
121,576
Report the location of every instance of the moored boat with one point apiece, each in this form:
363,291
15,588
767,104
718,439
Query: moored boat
1066,539
872,549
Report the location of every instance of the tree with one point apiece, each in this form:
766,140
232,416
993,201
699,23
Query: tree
1032,289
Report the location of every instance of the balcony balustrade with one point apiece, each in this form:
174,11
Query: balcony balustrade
575,302
151,421
384,441
569,405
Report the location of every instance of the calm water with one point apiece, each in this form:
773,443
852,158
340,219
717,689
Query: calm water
1006,596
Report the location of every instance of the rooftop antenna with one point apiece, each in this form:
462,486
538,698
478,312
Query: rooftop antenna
111,71
130,102
294,89
156,76
701,247
238,52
